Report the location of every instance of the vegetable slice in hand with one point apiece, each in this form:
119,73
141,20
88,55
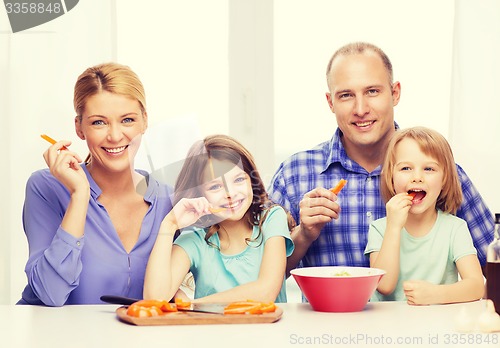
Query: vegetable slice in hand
339,187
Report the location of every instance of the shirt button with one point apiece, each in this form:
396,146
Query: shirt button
78,243
369,214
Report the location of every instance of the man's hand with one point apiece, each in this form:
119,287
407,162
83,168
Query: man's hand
317,208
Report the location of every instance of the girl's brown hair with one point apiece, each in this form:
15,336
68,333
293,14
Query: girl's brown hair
432,144
223,148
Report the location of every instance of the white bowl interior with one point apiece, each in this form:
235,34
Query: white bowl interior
337,272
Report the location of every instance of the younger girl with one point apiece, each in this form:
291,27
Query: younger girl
419,243
239,248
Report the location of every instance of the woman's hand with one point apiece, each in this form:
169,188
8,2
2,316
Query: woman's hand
397,210
65,166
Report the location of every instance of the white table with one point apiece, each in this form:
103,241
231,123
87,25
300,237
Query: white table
378,325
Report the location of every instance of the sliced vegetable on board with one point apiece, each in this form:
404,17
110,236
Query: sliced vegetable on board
249,307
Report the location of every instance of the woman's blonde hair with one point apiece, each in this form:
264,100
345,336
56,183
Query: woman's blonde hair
109,77
432,144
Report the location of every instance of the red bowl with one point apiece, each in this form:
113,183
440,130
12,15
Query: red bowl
337,288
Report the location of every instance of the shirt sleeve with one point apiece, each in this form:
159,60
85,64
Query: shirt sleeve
462,244
276,224
192,241
278,192
375,236
54,263
479,218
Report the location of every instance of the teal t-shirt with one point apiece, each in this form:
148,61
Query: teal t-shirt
215,272
431,257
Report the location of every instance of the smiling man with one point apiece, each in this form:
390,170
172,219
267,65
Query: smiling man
333,230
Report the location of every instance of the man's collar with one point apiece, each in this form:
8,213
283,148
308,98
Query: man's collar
337,151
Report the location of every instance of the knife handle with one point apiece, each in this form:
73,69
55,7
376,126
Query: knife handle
121,300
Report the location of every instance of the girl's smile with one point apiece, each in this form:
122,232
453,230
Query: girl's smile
232,190
234,205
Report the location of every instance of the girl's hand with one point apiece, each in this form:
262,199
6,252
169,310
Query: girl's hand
419,292
187,211
397,210
65,166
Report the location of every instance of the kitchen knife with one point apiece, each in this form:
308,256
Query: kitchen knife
196,307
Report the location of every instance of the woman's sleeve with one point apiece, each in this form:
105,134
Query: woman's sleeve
54,265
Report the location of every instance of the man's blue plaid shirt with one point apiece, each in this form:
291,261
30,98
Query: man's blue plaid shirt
343,241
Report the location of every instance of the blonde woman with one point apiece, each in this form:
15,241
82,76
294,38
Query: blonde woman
90,229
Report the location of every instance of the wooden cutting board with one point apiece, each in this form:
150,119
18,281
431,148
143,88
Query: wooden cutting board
195,318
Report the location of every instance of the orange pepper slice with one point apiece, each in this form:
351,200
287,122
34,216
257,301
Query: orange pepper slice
139,311
168,307
149,303
241,304
150,308
412,194
216,210
268,307
339,187
180,303
52,141
249,307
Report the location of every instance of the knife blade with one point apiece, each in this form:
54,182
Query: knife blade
196,307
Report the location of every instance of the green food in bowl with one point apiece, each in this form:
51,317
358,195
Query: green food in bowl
342,274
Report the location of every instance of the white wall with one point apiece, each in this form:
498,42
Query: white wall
38,72
5,178
180,50
417,37
475,122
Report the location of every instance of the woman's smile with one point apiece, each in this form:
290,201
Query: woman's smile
115,150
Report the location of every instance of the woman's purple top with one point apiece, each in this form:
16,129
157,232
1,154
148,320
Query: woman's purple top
62,269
